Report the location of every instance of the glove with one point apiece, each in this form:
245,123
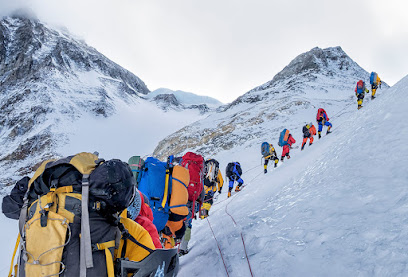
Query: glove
219,191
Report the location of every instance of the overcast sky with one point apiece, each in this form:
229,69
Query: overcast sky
223,48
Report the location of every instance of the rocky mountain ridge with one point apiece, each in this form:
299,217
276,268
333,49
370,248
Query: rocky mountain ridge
317,78
51,82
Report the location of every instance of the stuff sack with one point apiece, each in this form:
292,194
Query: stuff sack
283,138
13,203
180,178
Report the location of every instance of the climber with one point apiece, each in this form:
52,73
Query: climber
323,119
268,152
234,172
287,146
375,82
309,131
360,92
212,179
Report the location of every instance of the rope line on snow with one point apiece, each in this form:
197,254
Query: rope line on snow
242,237
219,248
250,169
246,255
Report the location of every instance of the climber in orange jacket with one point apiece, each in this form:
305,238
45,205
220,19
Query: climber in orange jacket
309,131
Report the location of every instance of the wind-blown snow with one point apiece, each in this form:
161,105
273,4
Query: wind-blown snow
338,208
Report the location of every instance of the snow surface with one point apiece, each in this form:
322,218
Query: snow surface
338,208
187,98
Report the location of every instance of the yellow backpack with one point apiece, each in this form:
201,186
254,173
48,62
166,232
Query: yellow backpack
67,223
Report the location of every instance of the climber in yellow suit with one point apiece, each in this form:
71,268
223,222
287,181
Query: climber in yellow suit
213,181
375,82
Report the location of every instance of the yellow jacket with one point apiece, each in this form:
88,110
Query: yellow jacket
220,182
272,152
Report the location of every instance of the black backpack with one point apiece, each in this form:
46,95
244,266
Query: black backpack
71,204
230,167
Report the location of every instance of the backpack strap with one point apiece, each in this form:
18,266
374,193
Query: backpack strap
109,260
14,255
166,186
85,247
178,180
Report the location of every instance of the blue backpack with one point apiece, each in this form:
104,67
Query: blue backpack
265,149
152,184
283,138
360,87
373,78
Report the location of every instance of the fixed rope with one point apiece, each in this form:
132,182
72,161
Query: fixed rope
219,248
242,236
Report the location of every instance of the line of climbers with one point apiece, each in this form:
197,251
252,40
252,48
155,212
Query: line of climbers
84,216
286,139
361,89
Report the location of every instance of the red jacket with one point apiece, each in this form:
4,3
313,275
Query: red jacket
145,218
291,140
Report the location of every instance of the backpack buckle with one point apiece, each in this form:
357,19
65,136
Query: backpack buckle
97,206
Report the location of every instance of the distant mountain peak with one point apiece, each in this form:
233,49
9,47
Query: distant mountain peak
325,61
317,78
167,99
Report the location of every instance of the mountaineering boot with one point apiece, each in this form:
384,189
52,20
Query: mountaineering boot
310,144
288,157
204,213
183,252
276,164
265,170
320,134
303,146
359,107
229,194
328,130
238,188
372,97
282,159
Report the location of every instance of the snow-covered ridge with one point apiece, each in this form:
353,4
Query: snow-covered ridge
55,88
186,98
318,78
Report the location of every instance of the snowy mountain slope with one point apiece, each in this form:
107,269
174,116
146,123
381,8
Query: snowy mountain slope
320,77
55,89
186,98
338,208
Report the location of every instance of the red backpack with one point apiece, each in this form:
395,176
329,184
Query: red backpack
195,164
320,113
